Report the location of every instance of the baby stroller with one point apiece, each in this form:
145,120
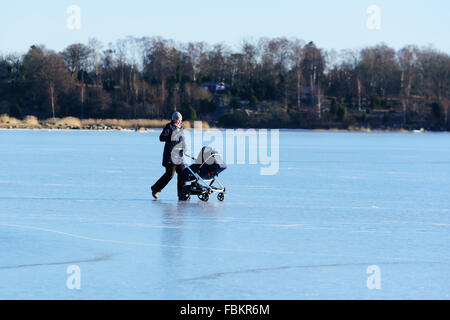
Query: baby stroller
202,175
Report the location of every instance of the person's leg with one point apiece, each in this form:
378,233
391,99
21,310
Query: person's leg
181,183
164,180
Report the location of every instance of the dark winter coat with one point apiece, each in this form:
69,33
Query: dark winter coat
175,145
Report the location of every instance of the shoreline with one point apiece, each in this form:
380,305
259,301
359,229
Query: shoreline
146,125
152,129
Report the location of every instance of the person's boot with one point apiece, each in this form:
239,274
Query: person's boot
183,197
184,194
155,194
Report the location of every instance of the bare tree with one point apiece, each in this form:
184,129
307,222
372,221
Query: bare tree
297,58
95,48
407,62
313,65
46,72
75,57
196,52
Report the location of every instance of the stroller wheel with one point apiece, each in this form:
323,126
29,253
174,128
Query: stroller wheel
221,196
204,197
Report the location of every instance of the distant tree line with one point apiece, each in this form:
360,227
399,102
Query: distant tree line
270,82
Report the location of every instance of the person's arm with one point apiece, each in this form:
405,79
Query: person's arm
184,144
165,134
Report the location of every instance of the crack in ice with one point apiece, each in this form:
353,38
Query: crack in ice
99,259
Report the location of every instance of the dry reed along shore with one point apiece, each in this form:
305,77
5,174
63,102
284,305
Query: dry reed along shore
31,122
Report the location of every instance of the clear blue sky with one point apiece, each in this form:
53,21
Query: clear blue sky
331,24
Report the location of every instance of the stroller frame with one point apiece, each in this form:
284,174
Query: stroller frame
203,188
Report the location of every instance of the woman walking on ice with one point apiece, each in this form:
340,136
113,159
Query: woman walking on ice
173,136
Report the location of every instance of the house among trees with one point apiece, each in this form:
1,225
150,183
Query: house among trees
214,87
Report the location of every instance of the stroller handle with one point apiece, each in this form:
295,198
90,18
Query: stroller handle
186,155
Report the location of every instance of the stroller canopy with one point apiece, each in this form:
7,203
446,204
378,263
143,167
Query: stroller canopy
208,165
209,156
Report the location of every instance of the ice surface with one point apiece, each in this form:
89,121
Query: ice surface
341,202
